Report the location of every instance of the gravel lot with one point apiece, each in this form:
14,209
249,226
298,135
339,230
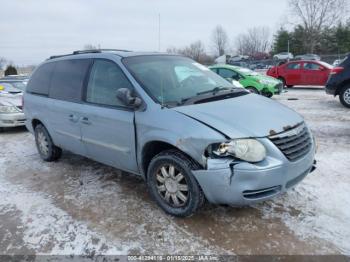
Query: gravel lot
77,206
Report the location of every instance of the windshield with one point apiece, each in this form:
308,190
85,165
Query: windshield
19,85
9,88
173,79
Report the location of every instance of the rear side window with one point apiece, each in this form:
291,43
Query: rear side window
68,79
312,66
105,79
39,82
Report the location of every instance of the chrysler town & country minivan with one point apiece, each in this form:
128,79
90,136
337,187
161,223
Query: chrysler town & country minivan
189,133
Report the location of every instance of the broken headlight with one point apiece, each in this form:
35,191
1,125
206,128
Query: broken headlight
249,150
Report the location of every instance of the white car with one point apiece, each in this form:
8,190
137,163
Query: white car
11,114
283,56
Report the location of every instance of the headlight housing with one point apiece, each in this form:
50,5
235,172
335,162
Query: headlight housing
8,109
250,150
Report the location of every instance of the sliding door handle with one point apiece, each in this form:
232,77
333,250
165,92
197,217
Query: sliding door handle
85,121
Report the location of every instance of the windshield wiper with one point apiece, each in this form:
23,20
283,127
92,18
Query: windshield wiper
214,90
212,93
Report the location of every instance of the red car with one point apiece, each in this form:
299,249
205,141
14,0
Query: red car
313,73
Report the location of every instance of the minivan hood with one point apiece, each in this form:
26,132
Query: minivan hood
244,116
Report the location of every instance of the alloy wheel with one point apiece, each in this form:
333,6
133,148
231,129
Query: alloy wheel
43,143
346,96
172,185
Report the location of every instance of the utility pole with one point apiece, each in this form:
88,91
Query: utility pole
288,50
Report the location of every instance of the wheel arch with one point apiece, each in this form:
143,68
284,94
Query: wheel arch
152,148
342,86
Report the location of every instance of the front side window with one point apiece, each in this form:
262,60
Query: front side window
105,80
294,66
173,79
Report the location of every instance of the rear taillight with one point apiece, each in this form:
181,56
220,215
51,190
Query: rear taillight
337,70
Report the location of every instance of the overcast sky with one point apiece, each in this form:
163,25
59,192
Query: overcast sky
32,30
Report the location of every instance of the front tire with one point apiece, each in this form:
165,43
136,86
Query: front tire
253,90
46,148
172,185
344,96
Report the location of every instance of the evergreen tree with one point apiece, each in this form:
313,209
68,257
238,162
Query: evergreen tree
10,70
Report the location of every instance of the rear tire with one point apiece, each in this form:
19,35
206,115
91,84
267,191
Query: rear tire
46,148
344,96
172,185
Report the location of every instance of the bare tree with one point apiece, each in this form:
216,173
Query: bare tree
255,40
3,61
219,40
316,15
91,47
196,51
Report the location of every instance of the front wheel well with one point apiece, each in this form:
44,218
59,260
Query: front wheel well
342,86
36,122
151,149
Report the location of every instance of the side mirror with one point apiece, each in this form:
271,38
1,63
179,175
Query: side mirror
125,95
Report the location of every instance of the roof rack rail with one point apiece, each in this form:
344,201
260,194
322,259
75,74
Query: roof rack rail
77,52
57,56
86,51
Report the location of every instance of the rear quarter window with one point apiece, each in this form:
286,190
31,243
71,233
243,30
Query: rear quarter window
39,82
68,79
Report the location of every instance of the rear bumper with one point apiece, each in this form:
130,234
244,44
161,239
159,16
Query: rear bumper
12,120
243,183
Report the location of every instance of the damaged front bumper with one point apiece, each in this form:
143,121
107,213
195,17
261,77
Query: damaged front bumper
241,183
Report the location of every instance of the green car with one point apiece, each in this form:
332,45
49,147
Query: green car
253,81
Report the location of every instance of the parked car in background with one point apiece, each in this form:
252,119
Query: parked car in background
252,81
18,84
306,73
11,114
339,82
187,131
283,56
336,62
259,56
308,57
237,58
239,64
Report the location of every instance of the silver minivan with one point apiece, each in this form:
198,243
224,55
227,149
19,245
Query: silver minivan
189,133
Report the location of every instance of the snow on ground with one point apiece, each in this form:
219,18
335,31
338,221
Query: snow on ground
320,205
46,227
78,206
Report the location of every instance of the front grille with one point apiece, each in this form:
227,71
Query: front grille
294,143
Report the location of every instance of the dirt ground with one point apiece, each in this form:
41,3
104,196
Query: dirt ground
78,206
